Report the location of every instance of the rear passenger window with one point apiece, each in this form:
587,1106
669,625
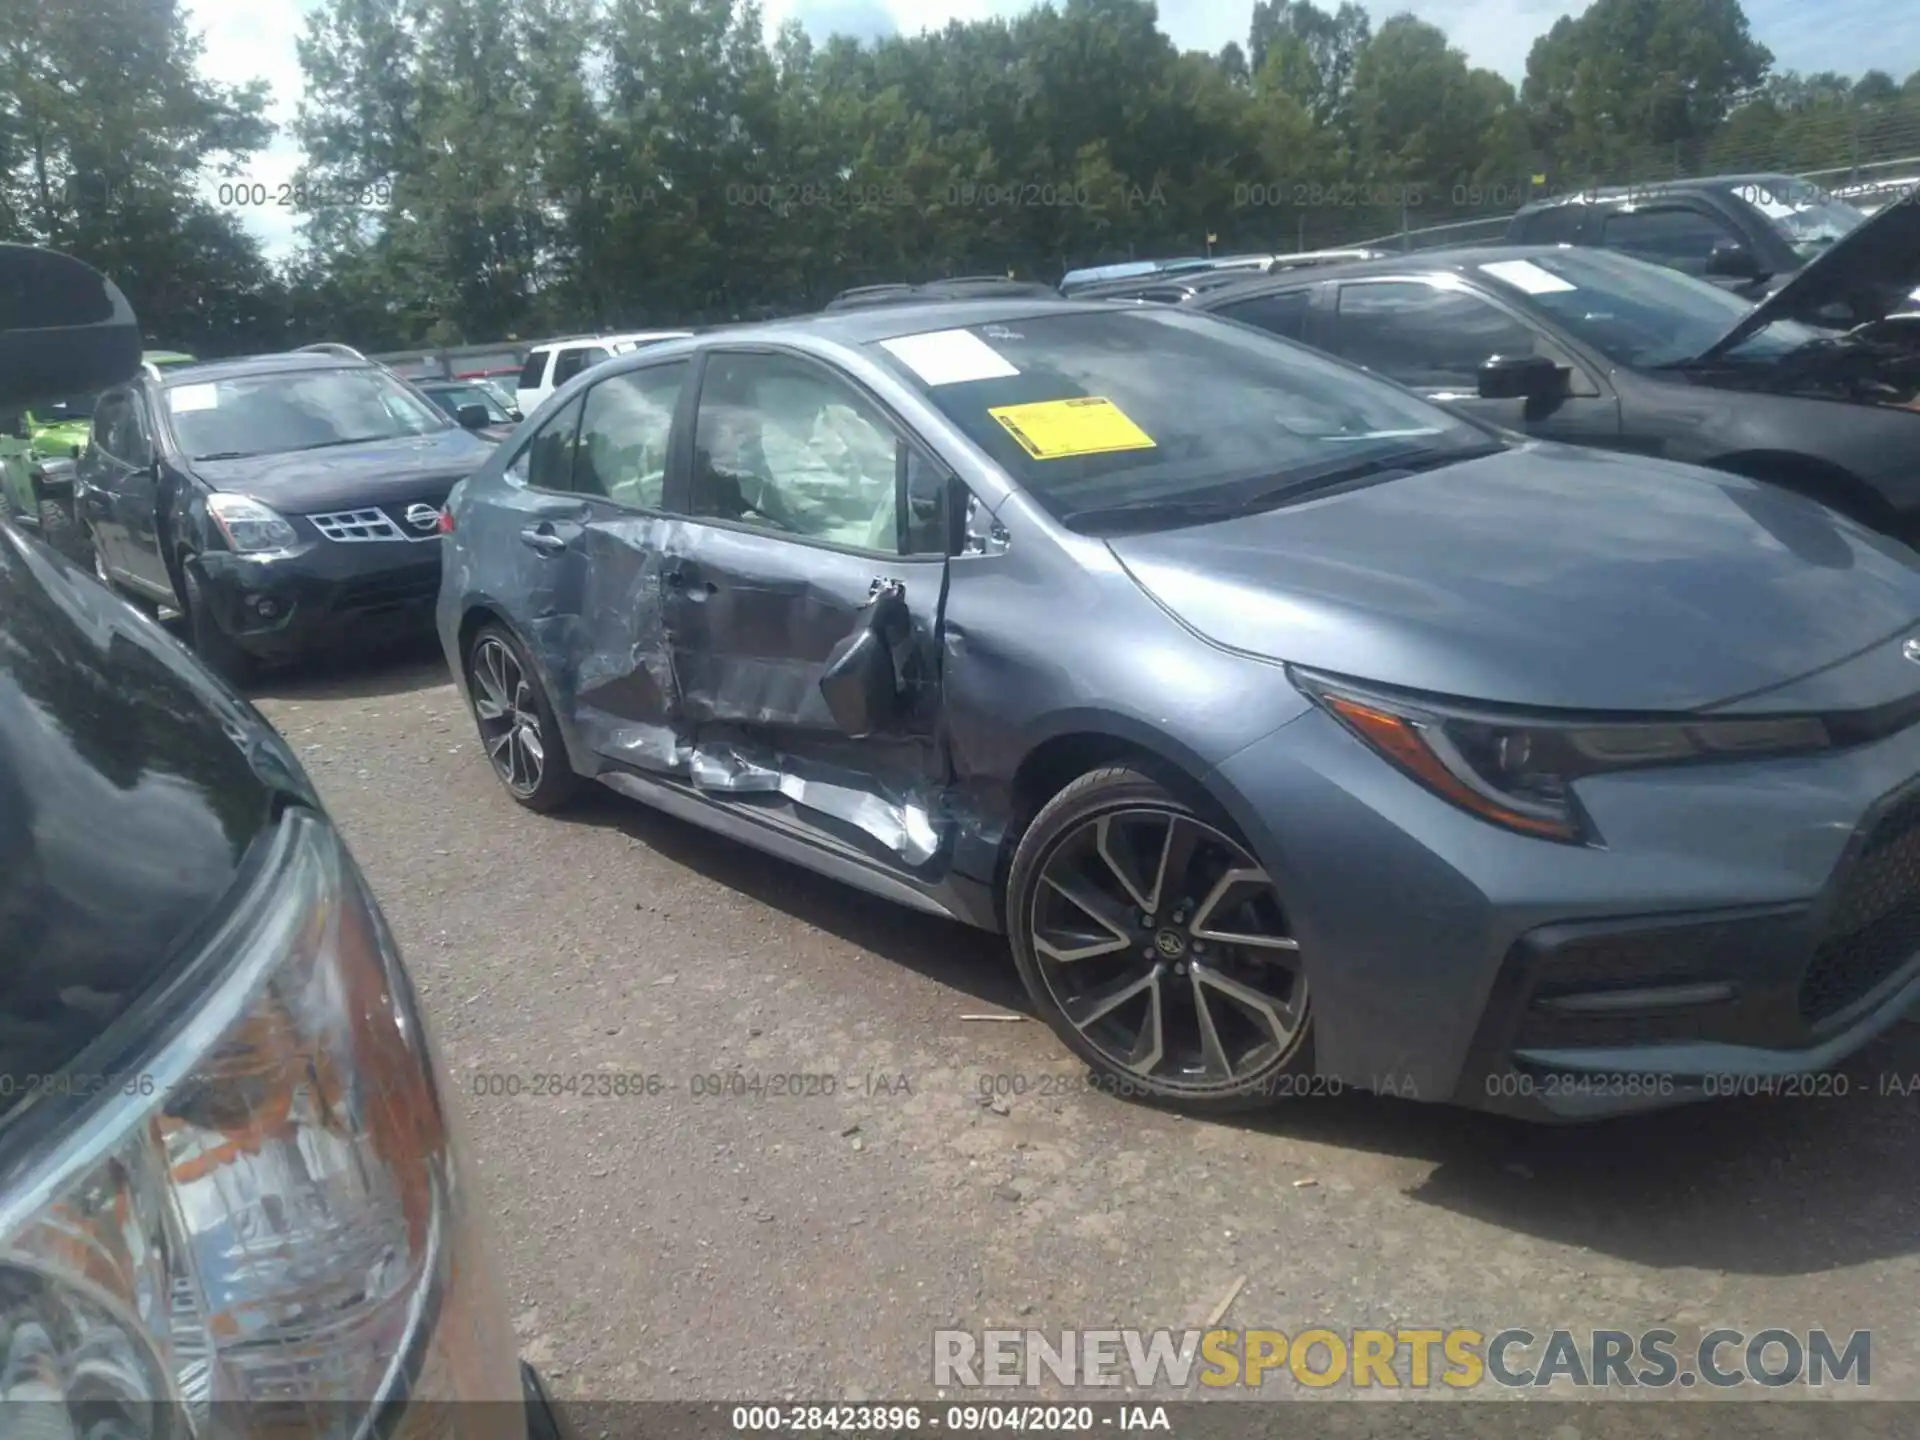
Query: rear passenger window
547,461
535,367
1284,315
1424,336
569,363
1682,239
1556,225
624,432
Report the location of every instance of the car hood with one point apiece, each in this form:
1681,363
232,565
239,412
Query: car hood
131,787
1870,272
1543,576
378,472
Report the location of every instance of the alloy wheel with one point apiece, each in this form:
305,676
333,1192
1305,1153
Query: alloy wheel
1165,946
509,717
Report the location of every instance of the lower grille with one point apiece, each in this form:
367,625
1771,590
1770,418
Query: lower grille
419,585
1649,963
1875,928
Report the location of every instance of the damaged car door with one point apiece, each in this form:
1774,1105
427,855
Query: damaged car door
804,596
625,702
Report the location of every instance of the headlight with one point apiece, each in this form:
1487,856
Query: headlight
1518,771
243,1213
249,526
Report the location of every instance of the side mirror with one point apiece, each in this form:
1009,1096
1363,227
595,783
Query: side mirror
859,686
1521,377
473,417
1731,260
513,414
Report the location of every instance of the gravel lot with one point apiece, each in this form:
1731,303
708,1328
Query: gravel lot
680,1247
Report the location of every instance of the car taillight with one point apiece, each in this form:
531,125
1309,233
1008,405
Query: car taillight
446,522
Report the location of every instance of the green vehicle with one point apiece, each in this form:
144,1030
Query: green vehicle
36,490
59,428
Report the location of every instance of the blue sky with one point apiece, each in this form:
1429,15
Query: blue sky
245,38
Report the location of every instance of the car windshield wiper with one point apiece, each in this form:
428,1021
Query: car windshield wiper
1185,510
350,440
230,455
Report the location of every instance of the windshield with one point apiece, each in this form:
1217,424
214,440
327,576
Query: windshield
1634,313
1806,216
73,407
1159,407
450,398
273,414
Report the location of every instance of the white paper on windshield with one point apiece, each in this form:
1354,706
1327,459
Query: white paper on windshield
1527,276
949,357
185,399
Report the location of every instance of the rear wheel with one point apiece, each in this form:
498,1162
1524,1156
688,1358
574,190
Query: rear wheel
1157,947
516,723
212,644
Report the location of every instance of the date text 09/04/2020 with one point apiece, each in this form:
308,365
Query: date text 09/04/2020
862,1420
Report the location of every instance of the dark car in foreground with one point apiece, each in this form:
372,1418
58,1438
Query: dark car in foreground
1287,724
1816,389
233,1196
1743,232
282,503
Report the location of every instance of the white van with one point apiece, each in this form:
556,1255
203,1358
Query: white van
552,363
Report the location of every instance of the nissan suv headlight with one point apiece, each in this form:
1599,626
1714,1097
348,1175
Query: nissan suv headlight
242,1212
250,527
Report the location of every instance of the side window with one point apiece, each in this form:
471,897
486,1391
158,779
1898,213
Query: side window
1679,238
546,463
135,446
929,504
782,444
1555,225
1284,315
1424,336
535,367
623,435
569,363
106,420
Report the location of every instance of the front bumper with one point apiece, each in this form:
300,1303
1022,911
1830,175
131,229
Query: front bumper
1742,920
323,595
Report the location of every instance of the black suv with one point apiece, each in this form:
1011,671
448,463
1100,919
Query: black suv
280,503
1742,232
232,1195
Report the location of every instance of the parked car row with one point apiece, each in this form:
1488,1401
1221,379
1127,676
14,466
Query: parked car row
1157,643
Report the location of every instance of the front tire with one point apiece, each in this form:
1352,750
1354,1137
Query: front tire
516,723
1157,948
212,644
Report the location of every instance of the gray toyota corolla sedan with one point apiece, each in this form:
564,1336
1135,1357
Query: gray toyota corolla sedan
1298,734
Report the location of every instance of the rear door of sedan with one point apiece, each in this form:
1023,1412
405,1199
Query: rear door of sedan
814,520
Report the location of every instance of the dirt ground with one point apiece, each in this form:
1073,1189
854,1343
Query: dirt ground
686,1244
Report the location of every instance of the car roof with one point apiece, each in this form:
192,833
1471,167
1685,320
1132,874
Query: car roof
1607,194
868,325
603,337
200,372
1456,261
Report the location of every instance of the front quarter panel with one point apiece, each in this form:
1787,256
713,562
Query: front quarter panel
1052,639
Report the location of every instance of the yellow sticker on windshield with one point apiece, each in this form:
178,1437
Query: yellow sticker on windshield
1056,429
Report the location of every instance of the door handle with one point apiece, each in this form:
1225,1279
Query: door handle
542,538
